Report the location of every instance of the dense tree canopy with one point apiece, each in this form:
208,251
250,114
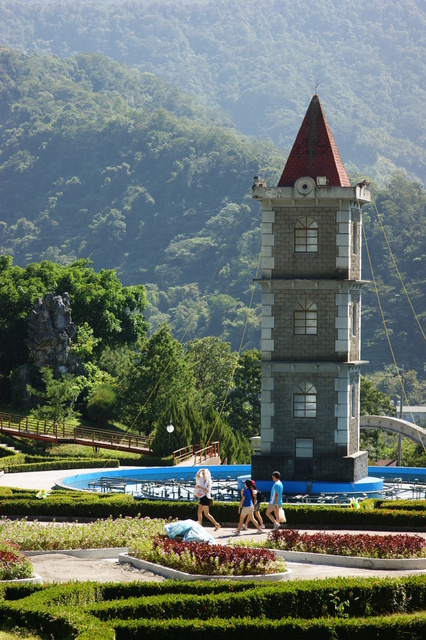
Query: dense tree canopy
98,300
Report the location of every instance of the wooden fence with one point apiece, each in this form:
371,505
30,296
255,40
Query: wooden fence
196,455
60,433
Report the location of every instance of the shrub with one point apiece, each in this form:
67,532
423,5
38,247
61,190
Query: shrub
364,545
207,559
13,564
102,403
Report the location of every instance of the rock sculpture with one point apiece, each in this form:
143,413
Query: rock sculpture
50,330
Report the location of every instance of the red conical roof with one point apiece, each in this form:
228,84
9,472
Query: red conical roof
315,152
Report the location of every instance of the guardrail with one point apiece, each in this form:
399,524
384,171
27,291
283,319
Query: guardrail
186,453
211,451
27,427
194,451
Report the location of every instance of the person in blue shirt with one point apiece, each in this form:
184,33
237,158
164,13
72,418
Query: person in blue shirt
245,508
275,500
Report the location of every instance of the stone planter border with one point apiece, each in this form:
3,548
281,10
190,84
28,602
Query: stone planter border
35,580
354,562
174,574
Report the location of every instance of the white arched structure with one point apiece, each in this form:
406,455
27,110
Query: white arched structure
401,427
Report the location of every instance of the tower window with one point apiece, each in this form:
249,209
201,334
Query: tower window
306,236
305,318
305,401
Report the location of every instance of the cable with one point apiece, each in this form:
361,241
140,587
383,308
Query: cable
239,350
189,324
396,268
403,394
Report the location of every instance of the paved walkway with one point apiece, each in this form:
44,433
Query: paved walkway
46,479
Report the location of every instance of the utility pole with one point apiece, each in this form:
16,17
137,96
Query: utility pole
401,376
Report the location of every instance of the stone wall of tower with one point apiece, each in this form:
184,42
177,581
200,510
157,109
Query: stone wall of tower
327,360
288,345
287,263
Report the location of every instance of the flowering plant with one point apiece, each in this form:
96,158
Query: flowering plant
13,564
48,536
346,544
207,559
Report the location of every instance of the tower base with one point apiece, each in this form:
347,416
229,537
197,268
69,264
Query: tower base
347,469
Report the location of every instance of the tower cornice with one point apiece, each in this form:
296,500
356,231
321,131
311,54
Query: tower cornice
290,196
314,282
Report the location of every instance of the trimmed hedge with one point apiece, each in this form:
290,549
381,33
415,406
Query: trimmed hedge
19,463
333,608
295,599
393,628
77,504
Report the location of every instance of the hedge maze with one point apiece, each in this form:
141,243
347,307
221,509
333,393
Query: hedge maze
327,609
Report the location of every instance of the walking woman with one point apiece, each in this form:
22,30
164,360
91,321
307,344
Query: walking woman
203,488
246,507
257,499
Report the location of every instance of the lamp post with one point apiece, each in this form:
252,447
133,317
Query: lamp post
170,428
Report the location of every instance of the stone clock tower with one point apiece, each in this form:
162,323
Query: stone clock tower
311,314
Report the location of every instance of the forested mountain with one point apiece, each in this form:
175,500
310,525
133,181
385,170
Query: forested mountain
161,197
114,162
260,60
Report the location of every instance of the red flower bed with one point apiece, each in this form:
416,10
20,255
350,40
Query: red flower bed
207,559
347,544
13,563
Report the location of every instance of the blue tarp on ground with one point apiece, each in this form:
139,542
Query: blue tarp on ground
190,530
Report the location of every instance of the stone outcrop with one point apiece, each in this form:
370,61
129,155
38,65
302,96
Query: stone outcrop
50,331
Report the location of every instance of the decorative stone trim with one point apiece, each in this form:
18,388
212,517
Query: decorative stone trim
174,574
354,562
35,580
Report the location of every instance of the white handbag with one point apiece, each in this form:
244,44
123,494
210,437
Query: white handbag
281,515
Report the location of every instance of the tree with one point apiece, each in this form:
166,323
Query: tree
102,403
165,443
105,312
59,395
233,447
376,403
243,404
212,363
158,376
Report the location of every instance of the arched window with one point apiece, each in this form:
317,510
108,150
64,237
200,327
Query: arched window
305,318
305,401
306,236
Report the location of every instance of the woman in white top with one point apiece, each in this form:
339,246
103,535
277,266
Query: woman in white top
203,487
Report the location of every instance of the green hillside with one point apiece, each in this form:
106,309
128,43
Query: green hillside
161,197
139,163
260,62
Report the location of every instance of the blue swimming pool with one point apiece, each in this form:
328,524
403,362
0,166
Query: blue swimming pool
370,485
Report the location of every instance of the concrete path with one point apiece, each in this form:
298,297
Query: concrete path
46,480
